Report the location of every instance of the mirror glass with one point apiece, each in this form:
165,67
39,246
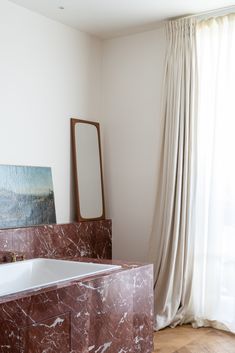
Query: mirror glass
88,173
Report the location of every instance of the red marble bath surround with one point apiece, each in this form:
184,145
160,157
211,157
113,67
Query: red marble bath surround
109,312
83,239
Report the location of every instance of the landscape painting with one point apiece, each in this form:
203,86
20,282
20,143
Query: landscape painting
26,196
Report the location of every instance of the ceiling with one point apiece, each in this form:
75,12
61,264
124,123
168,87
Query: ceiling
109,18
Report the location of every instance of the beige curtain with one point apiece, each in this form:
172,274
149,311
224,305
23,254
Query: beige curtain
170,241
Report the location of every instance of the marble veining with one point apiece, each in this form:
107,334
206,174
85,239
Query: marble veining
104,313
81,239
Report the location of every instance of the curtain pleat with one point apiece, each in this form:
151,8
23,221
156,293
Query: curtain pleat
213,291
170,247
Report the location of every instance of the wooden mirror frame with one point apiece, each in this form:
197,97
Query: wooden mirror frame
74,122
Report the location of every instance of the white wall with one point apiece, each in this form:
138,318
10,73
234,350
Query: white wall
48,74
133,69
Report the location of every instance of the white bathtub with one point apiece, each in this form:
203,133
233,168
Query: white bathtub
38,273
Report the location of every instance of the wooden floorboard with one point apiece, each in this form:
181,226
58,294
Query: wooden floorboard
185,339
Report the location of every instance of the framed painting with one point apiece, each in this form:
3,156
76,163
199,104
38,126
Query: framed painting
26,196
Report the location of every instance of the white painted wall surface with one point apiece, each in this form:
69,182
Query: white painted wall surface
48,74
133,68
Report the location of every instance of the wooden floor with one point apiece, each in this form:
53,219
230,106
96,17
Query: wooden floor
185,339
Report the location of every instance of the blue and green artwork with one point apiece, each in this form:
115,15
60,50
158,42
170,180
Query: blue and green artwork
26,196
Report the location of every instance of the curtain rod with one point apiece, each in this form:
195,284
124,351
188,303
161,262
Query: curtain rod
210,13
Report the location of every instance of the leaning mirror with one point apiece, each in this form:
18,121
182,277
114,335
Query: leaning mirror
88,175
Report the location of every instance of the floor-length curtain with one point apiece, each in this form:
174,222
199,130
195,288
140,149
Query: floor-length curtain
213,300
170,238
